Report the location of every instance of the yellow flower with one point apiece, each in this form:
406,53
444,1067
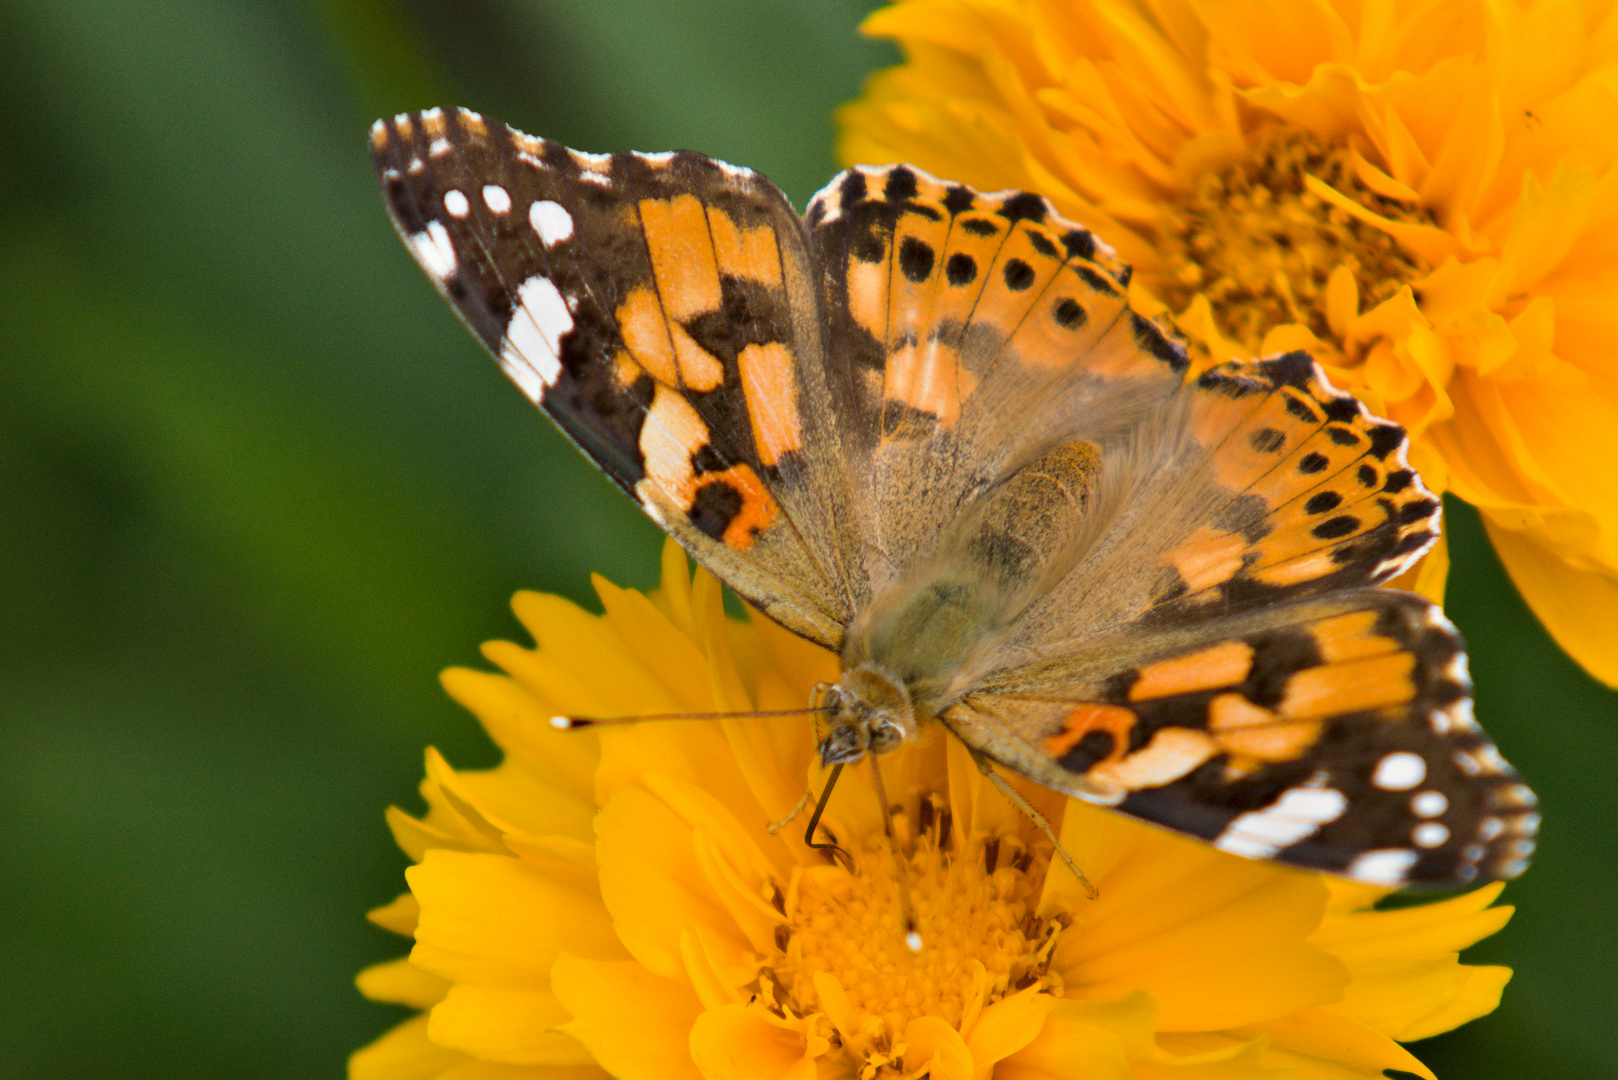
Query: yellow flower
609,901
1423,194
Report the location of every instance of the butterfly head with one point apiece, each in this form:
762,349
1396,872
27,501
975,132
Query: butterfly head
868,711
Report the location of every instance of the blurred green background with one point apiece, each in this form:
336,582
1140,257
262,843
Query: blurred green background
257,487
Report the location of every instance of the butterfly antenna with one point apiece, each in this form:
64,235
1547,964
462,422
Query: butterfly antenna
907,910
573,723
814,822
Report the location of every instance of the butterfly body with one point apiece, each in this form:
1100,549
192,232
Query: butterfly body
921,426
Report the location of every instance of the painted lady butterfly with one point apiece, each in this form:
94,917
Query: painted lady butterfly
921,426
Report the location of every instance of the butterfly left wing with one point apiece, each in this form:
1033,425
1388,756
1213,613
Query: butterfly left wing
661,309
1331,732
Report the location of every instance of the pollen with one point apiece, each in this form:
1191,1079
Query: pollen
980,938
1262,247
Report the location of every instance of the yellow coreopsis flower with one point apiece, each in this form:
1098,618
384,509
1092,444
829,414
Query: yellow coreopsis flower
1423,194
610,901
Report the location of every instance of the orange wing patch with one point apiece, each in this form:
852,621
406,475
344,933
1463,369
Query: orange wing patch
1225,664
772,400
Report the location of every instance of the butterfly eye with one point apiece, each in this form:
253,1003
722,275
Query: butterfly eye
885,736
845,742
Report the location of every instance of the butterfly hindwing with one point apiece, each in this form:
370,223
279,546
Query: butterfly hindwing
1334,733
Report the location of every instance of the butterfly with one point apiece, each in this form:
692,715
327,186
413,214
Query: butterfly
921,426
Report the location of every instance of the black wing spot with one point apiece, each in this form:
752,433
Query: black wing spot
1267,440
1386,438
1294,369
979,226
1419,510
1024,206
958,199
901,185
715,506
1019,275
1313,463
1097,281
916,259
870,248
1277,656
1302,410
1367,475
1336,528
961,269
1080,243
1398,481
1319,504
1042,244
1150,338
1342,436
1093,747
853,188
1070,314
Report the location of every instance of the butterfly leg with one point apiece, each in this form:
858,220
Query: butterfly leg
803,804
986,767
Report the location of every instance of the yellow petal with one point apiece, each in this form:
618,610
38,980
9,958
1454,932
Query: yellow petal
493,919
1578,607
652,884
1216,940
741,1042
636,1025
398,915
509,1024
1421,931
933,1045
1007,1026
1415,1001
1330,1037
403,983
404,1053
563,761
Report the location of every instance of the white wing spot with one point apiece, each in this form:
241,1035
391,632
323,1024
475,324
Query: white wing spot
455,202
1429,804
1429,834
658,159
1399,771
1489,828
496,199
1385,866
431,114
531,352
434,251
438,148
599,179
550,221
1297,814
416,165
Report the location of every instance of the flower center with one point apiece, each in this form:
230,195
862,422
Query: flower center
974,910
1261,246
